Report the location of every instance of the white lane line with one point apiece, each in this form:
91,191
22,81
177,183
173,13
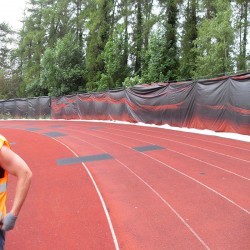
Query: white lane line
205,149
202,184
151,188
186,144
225,170
210,164
166,203
174,169
155,192
194,158
105,209
198,139
100,197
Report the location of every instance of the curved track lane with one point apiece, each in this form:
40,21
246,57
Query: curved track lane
136,188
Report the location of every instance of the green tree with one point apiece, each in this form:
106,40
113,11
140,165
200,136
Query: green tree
5,41
156,64
170,57
56,16
214,41
99,13
190,33
8,85
78,20
142,21
242,23
8,81
123,42
31,47
62,68
150,19
46,22
138,37
125,13
113,56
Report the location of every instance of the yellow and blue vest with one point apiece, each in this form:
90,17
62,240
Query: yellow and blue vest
3,181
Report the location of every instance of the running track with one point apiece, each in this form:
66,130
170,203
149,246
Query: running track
109,186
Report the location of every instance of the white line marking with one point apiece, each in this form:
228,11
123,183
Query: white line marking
225,170
205,149
214,191
160,195
210,164
174,169
165,202
155,192
100,197
198,139
105,209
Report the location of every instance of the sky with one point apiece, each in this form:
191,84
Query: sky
11,12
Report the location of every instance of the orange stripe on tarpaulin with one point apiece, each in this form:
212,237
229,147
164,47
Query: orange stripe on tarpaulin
123,100
228,107
150,107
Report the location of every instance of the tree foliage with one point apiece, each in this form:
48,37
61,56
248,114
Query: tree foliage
69,46
8,76
155,57
214,42
99,13
171,57
190,33
62,68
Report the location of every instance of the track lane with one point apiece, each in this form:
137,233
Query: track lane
62,210
240,153
235,165
223,181
179,135
176,169
129,201
220,240
134,158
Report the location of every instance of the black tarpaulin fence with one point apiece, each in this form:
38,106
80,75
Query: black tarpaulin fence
34,108
221,104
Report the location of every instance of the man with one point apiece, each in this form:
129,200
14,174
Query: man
13,164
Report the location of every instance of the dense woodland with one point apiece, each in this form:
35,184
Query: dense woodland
67,47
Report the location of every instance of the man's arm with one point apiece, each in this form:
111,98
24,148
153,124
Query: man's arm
16,166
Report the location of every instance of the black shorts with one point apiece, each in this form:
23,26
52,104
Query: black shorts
2,239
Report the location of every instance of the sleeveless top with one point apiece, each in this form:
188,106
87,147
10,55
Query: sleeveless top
3,181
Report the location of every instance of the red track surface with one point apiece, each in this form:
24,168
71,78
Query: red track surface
192,194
